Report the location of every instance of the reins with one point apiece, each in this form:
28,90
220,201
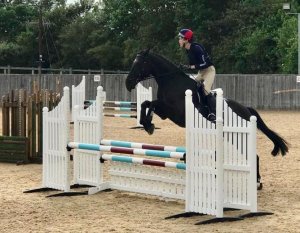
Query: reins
161,75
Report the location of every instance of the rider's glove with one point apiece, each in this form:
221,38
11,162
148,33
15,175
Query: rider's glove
184,67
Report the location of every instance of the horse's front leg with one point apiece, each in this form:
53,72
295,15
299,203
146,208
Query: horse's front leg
146,118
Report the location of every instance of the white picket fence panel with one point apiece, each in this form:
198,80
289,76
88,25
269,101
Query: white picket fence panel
221,160
56,160
78,95
158,181
240,164
88,128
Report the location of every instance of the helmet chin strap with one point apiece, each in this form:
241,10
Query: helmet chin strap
187,45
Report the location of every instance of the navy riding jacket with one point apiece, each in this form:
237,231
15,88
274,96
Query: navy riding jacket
198,56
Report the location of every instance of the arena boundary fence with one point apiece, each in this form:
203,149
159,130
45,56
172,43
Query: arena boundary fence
220,166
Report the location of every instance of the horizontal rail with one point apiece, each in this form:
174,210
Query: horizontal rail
151,162
141,145
136,151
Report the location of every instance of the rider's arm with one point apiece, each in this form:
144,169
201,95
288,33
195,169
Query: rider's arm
200,58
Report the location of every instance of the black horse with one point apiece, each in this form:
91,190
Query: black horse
172,83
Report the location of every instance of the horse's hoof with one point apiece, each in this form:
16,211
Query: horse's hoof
212,117
184,158
150,130
259,186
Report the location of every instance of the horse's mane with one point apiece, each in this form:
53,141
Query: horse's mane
168,63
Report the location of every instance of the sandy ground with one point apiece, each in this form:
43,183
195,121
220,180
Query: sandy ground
118,211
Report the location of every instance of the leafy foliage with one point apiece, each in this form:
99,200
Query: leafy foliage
242,36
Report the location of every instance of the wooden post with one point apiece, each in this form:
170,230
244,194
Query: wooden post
5,115
29,130
39,131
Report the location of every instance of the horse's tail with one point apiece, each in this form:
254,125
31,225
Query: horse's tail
279,142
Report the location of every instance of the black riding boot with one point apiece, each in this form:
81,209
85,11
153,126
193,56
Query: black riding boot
211,104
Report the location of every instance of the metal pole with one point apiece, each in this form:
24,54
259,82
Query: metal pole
298,43
40,47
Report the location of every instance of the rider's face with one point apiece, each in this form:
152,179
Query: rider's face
181,42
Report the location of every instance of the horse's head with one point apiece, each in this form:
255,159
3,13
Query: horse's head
140,70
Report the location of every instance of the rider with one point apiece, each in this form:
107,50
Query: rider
199,60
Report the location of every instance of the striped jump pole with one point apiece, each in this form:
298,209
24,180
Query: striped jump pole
116,103
120,115
120,108
121,103
151,162
141,145
154,153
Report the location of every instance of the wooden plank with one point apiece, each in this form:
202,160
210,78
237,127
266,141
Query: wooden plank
5,115
39,130
14,149
233,88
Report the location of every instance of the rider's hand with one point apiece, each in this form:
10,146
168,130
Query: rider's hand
184,67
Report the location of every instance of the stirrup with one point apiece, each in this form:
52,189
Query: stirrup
211,117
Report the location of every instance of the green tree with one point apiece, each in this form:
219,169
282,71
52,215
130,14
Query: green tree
287,46
14,25
75,42
247,37
242,36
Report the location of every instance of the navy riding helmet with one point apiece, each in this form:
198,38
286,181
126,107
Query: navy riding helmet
186,34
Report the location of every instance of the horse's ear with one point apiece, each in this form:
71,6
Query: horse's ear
147,51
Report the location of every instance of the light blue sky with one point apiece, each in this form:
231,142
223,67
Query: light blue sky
71,1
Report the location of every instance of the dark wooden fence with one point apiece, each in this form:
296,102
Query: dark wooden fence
22,124
258,91
262,91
